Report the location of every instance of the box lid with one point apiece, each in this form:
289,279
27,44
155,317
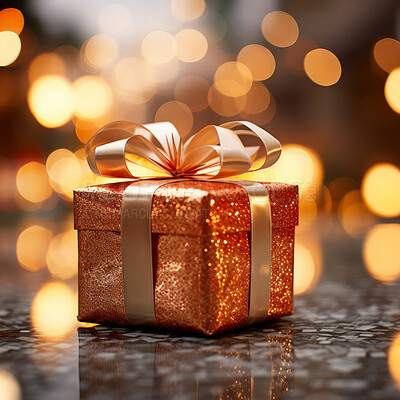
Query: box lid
187,207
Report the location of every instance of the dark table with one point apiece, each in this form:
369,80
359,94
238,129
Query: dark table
335,346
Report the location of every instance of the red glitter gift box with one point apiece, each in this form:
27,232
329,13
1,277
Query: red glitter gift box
201,254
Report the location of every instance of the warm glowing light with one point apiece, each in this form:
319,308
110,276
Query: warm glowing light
187,10
381,252
93,97
32,245
158,47
225,105
135,80
114,19
191,45
9,387
85,129
394,360
51,101
305,269
10,45
62,256
280,29
308,256
380,189
387,54
392,90
258,99
54,310
33,182
259,60
299,165
356,219
192,90
233,79
177,113
12,20
46,64
100,50
65,172
322,67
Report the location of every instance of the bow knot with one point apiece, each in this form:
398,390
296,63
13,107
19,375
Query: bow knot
125,149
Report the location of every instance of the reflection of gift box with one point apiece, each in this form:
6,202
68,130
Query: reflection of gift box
201,254
113,364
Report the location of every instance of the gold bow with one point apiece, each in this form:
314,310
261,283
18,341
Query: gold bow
129,150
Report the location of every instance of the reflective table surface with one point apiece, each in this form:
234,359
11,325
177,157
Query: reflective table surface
343,342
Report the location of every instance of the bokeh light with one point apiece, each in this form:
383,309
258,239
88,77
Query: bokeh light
280,29
191,45
9,386
308,264
259,60
33,183
193,91
354,216
233,79
65,172
394,360
387,54
46,64
298,165
322,67
93,97
32,245
258,99
11,19
51,100
225,105
85,129
158,47
178,113
54,310
392,90
135,80
380,189
10,45
187,10
381,252
62,255
114,19
100,51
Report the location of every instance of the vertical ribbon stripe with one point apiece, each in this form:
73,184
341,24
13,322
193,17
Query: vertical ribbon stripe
137,259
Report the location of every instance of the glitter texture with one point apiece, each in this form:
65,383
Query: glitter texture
201,254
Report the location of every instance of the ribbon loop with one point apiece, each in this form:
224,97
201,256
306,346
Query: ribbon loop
126,149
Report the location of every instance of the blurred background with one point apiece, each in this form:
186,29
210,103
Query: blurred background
321,76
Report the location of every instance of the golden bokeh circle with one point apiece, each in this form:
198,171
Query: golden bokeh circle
280,29
259,60
233,79
178,113
392,90
322,67
380,190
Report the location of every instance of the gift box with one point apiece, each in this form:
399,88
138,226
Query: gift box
201,253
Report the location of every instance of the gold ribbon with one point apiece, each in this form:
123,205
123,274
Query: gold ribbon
130,150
